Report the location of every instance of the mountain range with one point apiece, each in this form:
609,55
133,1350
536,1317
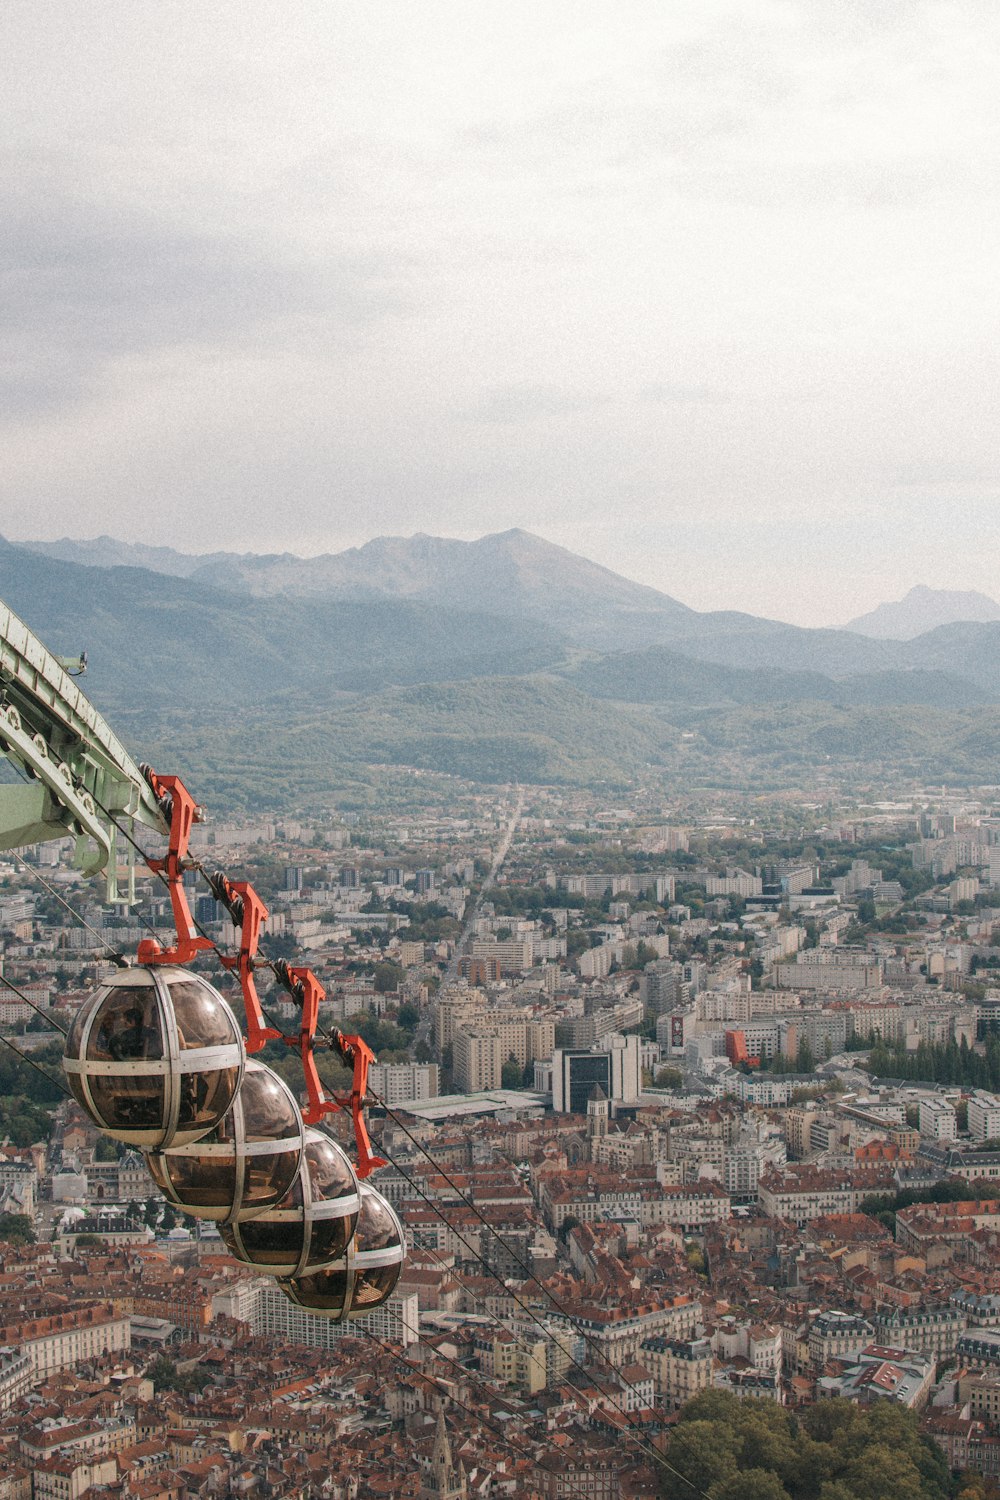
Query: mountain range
498,659
923,609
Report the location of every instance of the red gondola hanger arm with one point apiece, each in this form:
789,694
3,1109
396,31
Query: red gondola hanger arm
182,812
249,914
355,1051
307,991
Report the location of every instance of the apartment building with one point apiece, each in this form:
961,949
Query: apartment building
272,1313
803,1193
478,1059
680,1368
837,1335
404,1083
984,1116
934,1331
56,1342
937,1120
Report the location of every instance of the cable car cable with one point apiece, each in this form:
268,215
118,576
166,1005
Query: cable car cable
37,875
524,1306
38,1009
494,1396
529,1274
56,1083
268,963
519,1338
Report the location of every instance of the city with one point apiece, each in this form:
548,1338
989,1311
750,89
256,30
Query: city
674,1101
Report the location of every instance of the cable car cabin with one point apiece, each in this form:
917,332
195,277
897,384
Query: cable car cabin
313,1224
367,1277
155,1057
243,1166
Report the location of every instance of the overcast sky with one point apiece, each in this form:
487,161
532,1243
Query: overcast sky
704,291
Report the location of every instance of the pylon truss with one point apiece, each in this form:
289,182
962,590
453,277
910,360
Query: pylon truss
80,778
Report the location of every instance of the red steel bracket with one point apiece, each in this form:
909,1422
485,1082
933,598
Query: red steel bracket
182,812
248,913
307,991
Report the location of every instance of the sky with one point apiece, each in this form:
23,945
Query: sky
704,291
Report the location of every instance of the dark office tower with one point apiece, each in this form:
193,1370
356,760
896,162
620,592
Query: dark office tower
206,909
424,882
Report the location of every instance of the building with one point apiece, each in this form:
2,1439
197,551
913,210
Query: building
62,1339
937,1120
478,1060
272,1313
680,1367
882,1374
934,1331
444,1480
520,1362
615,1066
403,1083
15,1376
984,1116
836,1335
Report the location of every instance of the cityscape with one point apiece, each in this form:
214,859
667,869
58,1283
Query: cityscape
499,744
678,1104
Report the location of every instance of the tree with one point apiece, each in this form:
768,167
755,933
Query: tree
669,1078
16,1229
702,1457
756,1450
511,1073
751,1484
388,977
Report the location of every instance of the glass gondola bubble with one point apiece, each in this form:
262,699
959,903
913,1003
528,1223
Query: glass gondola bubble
367,1276
155,1057
246,1164
313,1224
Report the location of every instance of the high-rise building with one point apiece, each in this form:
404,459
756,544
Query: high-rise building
614,1065
478,1060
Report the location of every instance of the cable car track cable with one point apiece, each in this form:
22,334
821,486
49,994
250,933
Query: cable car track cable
529,1274
468,1374
524,1306
55,1082
38,1009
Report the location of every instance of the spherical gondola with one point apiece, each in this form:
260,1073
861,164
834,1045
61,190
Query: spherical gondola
246,1164
155,1057
313,1224
368,1274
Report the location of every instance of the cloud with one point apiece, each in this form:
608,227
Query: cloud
935,473
530,403
87,284
668,394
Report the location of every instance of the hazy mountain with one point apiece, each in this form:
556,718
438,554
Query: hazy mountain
924,609
663,676
520,576
282,695
108,552
154,640
511,573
